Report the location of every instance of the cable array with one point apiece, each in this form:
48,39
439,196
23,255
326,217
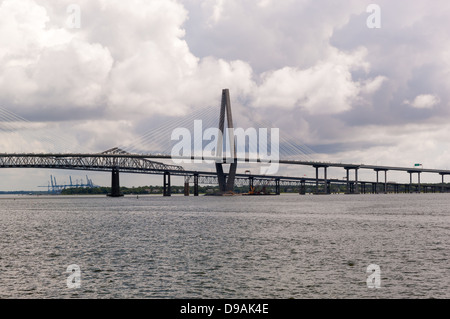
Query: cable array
21,135
29,137
158,139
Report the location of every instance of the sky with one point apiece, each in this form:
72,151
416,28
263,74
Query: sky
354,86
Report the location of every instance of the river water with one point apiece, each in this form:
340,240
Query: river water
279,247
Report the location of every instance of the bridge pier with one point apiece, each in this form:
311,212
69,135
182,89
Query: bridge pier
385,180
418,186
115,184
277,187
251,180
187,190
363,187
418,179
195,184
443,183
374,188
325,179
352,186
302,187
167,191
377,181
410,182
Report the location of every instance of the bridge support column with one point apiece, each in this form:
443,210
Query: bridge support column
317,179
186,189
418,186
376,187
302,187
186,186
277,187
410,182
385,180
115,184
443,184
385,183
167,191
352,186
348,181
251,184
325,179
195,184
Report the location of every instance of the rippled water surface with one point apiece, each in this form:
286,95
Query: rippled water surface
287,246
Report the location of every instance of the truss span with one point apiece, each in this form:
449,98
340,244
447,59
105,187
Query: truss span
105,161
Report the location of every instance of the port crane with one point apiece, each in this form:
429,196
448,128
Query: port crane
54,188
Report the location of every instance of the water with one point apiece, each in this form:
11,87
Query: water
288,246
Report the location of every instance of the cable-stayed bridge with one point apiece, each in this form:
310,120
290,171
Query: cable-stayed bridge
134,159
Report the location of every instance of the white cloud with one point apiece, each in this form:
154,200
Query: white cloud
413,143
325,88
371,86
215,9
47,66
424,101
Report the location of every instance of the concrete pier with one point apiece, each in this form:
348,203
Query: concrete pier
167,191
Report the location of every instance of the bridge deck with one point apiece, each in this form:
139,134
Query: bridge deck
241,160
141,164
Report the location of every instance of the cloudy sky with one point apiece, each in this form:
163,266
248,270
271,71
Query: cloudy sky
311,67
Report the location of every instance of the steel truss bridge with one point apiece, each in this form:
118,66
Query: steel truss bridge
87,162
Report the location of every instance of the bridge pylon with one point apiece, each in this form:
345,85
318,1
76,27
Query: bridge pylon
226,181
